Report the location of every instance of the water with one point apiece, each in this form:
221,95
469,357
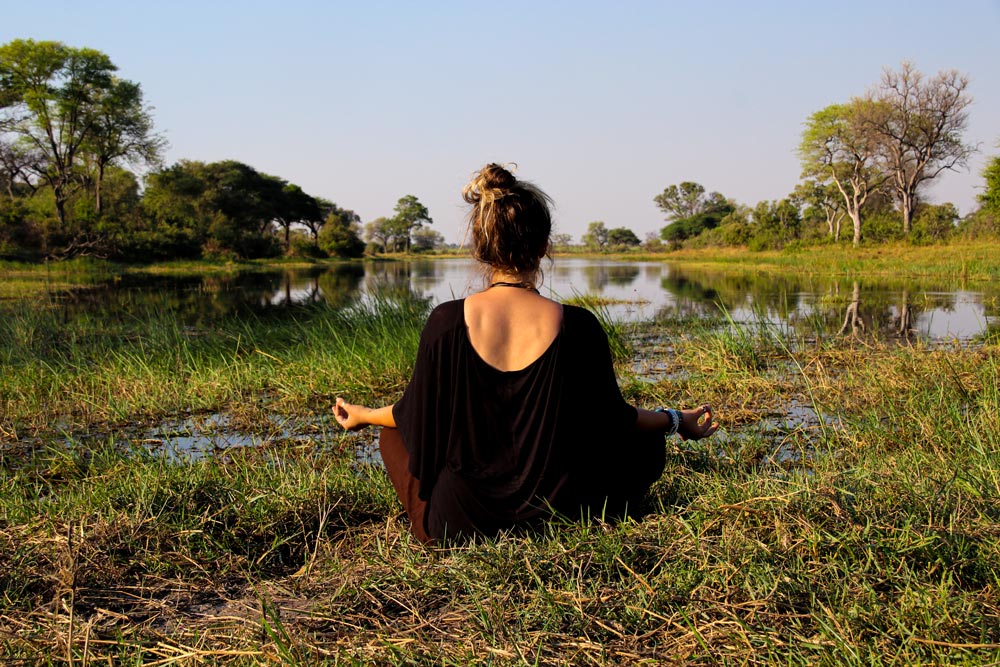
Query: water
631,291
807,307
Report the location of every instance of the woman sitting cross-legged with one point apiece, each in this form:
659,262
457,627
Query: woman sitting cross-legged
513,412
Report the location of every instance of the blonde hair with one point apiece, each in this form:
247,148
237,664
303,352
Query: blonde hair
509,221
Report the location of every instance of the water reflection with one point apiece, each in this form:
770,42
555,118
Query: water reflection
812,306
805,305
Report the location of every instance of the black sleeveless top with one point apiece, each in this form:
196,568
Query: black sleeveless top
494,449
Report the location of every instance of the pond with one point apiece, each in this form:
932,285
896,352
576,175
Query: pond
630,291
800,307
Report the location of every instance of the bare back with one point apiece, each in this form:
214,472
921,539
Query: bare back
509,328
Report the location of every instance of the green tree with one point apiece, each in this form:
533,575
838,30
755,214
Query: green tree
341,237
51,97
175,213
774,224
328,208
228,208
410,216
990,197
16,168
822,201
838,147
425,240
689,211
379,232
295,206
596,237
622,237
685,228
562,240
934,222
681,201
121,134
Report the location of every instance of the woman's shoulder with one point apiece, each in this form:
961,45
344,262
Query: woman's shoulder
579,317
445,317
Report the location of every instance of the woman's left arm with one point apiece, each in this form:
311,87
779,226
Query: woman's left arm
354,417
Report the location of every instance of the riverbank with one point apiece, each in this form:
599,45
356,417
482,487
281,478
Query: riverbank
847,514
966,260
962,261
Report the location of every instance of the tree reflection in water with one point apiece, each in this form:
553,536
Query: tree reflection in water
807,306
813,306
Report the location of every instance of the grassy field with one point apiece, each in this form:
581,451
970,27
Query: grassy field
957,261
848,512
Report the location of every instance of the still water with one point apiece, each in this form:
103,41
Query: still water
632,291
801,307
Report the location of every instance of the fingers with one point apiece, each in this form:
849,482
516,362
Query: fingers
340,412
703,425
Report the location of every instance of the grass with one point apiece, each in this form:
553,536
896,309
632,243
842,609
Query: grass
876,544
95,372
957,261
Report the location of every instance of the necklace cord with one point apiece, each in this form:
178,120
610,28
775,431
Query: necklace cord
521,285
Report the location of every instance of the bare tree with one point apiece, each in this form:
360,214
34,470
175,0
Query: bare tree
918,124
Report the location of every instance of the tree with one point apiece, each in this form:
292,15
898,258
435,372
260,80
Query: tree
121,132
708,218
228,208
622,237
774,224
379,231
341,237
934,222
562,240
918,124
838,147
990,198
652,242
16,167
690,211
294,206
596,237
825,200
426,239
410,215
51,95
681,201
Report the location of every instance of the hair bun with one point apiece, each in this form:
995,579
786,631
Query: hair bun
489,184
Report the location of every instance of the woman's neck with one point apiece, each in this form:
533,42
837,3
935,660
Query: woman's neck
512,278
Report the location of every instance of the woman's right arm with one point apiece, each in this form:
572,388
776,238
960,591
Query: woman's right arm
354,417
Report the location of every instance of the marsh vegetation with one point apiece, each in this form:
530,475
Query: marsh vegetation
847,514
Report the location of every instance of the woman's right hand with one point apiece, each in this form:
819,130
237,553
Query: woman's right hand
351,417
697,423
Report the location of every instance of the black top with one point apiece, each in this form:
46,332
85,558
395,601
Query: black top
493,449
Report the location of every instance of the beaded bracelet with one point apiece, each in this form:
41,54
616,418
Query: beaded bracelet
675,419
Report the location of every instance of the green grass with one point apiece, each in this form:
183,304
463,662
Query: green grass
96,372
875,544
958,262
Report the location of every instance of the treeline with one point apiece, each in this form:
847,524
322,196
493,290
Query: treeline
866,166
74,140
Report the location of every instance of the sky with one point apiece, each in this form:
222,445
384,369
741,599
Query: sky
601,104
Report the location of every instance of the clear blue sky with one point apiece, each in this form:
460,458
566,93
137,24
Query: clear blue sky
602,104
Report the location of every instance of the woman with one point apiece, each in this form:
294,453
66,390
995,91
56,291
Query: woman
513,412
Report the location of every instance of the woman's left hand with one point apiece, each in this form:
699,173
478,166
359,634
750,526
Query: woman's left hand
697,423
